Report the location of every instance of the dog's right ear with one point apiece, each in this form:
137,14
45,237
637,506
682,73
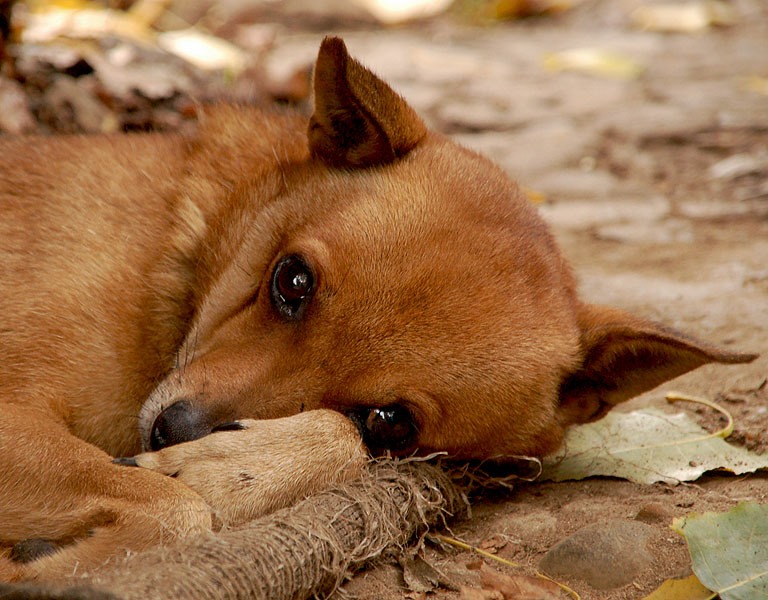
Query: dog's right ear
623,356
359,121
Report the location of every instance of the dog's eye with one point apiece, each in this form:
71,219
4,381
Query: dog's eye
387,428
292,285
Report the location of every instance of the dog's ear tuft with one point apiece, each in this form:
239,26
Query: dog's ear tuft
624,356
359,121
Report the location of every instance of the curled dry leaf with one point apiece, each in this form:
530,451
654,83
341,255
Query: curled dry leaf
419,575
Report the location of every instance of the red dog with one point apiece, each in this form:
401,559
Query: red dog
158,288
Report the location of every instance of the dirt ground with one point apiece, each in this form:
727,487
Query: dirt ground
651,217
657,189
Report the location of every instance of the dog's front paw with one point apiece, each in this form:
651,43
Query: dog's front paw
255,467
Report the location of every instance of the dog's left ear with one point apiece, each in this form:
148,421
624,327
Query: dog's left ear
359,121
624,356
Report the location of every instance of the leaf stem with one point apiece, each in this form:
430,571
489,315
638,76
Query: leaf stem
725,431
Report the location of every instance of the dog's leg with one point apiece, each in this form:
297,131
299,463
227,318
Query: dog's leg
54,486
258,467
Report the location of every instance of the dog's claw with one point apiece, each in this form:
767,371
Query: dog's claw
128,461
233,426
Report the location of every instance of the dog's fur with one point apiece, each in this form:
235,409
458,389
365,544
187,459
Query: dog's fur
137,274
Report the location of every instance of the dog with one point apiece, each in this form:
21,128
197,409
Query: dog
276,290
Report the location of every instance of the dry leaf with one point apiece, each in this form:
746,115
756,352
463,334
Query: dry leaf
594,61
493,543
688,17
399,11
689,588
154,80
518,587
91,23
534,196
468,593
646,446
203,50
418,574
516,9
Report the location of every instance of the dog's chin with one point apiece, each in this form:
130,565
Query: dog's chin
161,398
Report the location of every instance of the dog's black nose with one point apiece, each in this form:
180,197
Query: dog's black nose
180,422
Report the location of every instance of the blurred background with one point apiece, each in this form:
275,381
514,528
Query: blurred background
80,66
639,128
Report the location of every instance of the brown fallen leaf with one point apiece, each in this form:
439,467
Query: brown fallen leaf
519,587
468,593
475,565
419,575
493,543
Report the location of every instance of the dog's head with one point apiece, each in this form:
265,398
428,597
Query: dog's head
406,281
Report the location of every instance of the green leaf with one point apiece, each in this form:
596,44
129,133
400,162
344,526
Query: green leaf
730,550
646,446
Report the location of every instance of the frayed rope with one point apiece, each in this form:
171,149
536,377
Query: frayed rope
296,553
